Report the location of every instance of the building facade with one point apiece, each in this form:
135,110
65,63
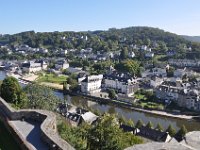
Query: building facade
91,84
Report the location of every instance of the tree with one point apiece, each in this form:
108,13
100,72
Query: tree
73,84
171,130
111,94
124,53
40,97
139,124
130,123
107,135
130,66
159,127
182,131
122,119
149,124
170,72
11,91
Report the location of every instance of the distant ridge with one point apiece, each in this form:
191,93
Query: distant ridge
191,38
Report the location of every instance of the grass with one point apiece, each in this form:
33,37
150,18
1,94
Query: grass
7,142
52,78
144,102
151,105
140,96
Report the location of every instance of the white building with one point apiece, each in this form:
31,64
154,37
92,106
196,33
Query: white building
31,67
131,54
123,85
91,84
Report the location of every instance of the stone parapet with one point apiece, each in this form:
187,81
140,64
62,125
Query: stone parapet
48,126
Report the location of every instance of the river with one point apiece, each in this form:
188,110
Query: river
126,113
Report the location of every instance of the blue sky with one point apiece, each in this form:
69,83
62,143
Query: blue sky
177,16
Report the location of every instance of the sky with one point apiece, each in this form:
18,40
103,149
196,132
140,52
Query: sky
177,16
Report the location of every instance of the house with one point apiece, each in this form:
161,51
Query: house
149,133
122,83
144,47
127,128
31,67
149,55
155,81
170,53
131,54
91,84
63,52
75,70
76,115
43,50
61,65
169,90
154,134
184,62
179,72
189,99
43,64
81,76
101,57
158,72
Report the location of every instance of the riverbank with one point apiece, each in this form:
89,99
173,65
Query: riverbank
129,106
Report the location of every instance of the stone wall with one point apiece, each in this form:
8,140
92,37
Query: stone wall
48,126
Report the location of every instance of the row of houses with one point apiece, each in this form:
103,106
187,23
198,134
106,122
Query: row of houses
121,83
186,95
184,62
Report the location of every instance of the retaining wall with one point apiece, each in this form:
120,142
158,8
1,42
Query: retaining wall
48,126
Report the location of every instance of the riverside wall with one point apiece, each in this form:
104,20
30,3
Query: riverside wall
48,126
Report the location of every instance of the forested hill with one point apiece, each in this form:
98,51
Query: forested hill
112,39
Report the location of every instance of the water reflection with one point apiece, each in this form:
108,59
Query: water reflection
134,115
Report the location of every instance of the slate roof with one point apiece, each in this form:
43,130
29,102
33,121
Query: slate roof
152,134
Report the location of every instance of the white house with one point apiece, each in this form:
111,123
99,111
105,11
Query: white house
91,84
131,54
31,67
63,52
144,47
124,85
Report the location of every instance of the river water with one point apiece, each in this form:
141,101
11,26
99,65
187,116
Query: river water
126,113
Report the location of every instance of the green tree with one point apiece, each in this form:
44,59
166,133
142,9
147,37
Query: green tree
73,84
170,72
159,127
130,66
122,120
11,91
182,131
130,123
111,94
124,53
171,130
149,124
107,135
40,97
139,124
